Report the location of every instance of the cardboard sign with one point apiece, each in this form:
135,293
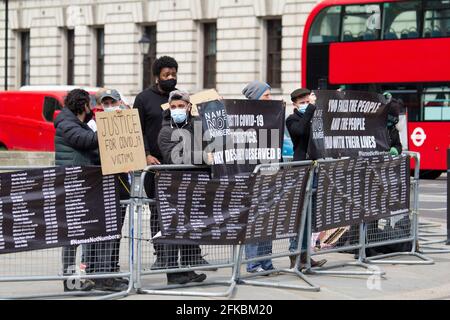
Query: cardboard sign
201,97
121,142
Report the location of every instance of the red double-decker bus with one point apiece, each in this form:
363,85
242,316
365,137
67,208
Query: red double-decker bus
394,45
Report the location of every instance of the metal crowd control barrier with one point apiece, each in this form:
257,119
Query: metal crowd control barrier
428,237
354,244
281,247
410,231
21,269
219,257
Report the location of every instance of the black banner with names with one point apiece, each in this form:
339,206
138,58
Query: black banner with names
195,209
55,207
348,124
245,133
361,189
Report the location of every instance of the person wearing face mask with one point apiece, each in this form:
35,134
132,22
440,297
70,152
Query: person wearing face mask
111,101
299,127
148,103
75,145
258,90
178,146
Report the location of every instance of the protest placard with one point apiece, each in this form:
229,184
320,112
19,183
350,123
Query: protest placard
120,141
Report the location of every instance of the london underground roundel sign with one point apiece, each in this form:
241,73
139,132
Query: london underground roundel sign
418,137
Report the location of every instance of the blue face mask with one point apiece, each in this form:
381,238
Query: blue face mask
302,107
178,115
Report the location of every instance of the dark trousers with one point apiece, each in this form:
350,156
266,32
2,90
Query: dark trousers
100,257
149,185
189,254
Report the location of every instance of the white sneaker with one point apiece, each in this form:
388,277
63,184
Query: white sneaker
259,270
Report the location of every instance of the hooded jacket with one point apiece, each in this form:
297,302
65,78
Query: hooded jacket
75,143
149,104
177,142
299,127
394,108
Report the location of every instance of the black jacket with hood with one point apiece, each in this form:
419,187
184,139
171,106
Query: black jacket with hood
149,104
299,127
75,143
178,144
394,108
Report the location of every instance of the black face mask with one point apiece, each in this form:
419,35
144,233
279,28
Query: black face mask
168,85
88,117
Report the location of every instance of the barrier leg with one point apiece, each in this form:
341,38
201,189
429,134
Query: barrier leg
327,270
310,286
423,260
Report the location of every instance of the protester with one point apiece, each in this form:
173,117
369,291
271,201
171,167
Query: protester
148,103
257,90
394,107
299,127
395,148
75,145
177,131
111,101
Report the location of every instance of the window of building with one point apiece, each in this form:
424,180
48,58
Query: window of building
437,19
25,58
150,57
274,46
326,26
402,20
100,34
70,56
361,23
436,103
209,55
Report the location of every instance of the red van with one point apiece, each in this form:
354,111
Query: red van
26,117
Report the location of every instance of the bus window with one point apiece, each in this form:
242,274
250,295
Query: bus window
326,26
361,23
401,21
437,19
436,102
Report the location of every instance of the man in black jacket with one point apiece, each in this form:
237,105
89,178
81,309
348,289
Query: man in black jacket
148,103
178,146
299,127
299,123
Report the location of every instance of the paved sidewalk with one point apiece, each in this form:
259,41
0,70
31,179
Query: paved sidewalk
401,282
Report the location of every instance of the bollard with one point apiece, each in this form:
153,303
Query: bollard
448,196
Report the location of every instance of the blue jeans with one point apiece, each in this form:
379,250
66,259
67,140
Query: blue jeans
293,243
259,249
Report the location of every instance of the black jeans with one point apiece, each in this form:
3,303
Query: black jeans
100,257
149,185
189,255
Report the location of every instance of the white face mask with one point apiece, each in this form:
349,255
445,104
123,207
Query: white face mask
109,109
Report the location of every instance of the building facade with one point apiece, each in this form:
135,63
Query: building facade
220,44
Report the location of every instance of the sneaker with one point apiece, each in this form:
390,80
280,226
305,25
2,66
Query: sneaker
110,284
178,278
160,263
318,264
85,285
258,270
314,264
194,277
